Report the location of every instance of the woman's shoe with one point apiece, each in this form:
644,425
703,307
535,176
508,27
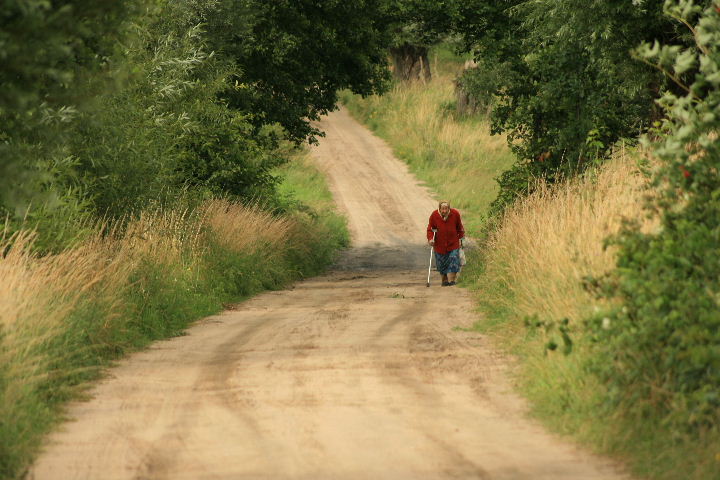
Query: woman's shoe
450,284
445,284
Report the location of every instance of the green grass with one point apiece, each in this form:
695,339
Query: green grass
306,189
444,59
304,186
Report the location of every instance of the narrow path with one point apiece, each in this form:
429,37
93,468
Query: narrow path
354,375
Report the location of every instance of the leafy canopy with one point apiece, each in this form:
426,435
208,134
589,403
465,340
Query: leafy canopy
293,56
109,106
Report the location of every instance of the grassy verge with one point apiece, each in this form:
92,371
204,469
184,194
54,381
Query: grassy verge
304,187
529,275
530,278
65,316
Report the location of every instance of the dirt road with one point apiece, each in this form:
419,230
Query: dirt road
354,375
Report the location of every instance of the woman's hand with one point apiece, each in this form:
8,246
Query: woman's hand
431,242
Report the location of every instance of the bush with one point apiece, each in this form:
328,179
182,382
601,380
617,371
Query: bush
47,49
660,350
168,128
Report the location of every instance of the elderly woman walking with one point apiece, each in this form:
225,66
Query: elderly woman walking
448,241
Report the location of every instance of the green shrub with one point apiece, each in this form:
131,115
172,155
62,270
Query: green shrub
660,350
47,49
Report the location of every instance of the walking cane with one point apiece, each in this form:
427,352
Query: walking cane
431,255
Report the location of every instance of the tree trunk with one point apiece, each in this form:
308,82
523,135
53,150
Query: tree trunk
466,103
410,62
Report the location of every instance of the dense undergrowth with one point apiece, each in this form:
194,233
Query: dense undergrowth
536,277
68,314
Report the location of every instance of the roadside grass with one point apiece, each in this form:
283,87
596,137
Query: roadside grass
454,155
65,316
529,273
305,189
529,277
547,244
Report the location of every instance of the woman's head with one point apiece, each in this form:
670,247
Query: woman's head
444,208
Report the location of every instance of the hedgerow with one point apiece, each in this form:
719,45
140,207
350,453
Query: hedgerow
659,350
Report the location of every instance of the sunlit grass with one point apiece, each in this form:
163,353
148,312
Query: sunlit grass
548,243
533,268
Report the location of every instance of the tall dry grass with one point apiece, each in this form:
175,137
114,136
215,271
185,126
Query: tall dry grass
550,242
251,228
38,293
62,314
534,267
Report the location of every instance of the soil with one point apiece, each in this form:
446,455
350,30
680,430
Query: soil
358,374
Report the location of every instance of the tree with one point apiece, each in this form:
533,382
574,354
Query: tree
565,86
107,107
416,25
293,56
46,48
168,128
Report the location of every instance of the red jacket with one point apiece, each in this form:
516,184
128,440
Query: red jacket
449,232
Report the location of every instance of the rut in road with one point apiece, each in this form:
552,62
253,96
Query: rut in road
357,374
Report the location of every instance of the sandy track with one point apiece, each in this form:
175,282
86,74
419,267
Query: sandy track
353,375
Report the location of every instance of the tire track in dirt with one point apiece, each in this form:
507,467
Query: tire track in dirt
353,375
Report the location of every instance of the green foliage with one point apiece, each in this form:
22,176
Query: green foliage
57,38
415,26
482,82
420,22
168,126
293,56
108,107
564,86
46,48
660,350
